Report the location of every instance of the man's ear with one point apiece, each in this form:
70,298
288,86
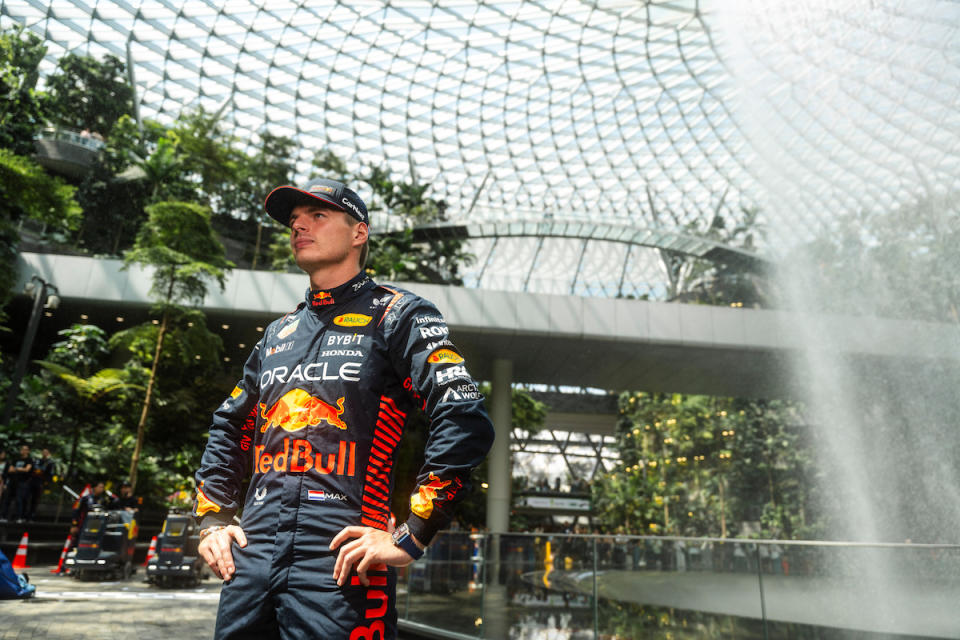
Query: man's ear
360,233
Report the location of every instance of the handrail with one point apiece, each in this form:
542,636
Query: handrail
73,137
623,537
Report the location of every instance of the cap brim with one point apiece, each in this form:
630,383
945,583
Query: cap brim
282,200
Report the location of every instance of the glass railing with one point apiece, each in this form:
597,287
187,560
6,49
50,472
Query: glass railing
540,586
92,141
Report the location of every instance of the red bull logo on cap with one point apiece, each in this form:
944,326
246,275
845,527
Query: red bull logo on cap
297,410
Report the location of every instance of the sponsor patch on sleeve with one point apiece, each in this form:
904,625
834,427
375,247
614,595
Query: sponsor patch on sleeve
446,356
236,392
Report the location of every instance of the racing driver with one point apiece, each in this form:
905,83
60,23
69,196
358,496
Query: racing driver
315,424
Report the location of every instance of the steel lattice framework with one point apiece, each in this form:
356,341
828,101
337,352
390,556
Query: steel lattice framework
658,114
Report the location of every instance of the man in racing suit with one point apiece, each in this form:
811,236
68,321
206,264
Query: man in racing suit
315,422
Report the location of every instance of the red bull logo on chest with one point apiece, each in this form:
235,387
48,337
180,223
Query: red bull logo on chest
297,410
299,456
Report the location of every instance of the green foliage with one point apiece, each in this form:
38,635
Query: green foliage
94,387
209,156
72,403
162,172
27,192
115,191
85,93
270,167
178,242
82,348
701,466
22,113
188,344
398,256
871,263
258,174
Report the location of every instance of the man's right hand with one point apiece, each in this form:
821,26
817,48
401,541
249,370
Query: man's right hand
216,550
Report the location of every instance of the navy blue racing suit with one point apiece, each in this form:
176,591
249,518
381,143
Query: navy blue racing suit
315,423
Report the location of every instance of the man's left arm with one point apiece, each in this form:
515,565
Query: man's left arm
460,432
435,375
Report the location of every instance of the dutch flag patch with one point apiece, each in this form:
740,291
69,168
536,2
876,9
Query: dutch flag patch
315,495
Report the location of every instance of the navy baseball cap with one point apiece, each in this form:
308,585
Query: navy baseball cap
282,200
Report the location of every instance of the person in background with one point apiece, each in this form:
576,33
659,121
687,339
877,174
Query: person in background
96,498
17,487
127,500
41,476
4,476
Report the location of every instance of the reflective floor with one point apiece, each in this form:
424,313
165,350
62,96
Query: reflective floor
586,587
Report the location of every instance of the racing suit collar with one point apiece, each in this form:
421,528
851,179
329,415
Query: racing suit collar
318,299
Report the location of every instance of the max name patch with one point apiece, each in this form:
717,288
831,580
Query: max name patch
325,495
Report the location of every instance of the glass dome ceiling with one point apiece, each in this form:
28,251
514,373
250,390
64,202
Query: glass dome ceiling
656,115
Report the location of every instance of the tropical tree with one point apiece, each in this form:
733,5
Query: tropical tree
271,166
138,166
22,110
73,395
177,241
399,254
189,383
88,94
27,192
211,158
89,392
697,465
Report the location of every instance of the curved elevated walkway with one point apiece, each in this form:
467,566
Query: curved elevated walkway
555,339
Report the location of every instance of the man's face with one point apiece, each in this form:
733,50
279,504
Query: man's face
125,491
320,236
97,489
24,451
45,453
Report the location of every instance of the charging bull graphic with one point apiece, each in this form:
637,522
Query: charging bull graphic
298,409
421,503
205,504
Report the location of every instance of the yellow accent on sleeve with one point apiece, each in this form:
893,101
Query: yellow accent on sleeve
205,504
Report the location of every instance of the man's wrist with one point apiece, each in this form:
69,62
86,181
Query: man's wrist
207,531
403,539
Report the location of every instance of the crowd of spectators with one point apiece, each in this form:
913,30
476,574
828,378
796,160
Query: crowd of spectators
543,485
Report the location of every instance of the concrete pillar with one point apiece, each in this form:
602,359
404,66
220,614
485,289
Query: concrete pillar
500,405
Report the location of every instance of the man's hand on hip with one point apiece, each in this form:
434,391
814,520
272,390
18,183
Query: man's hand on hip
366,547
216,549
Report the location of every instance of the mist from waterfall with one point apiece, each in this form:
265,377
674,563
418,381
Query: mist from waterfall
850,112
